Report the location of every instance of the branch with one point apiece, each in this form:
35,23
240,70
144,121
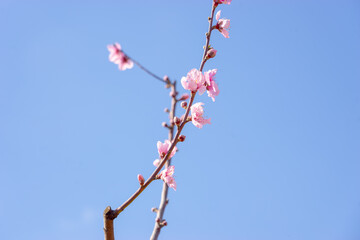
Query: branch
164,193
164,200
161,164
208,34
109,214
145,69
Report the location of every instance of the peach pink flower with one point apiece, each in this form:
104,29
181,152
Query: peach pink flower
167,176
211,86
118,57
194,81
164,147
223,25
197,118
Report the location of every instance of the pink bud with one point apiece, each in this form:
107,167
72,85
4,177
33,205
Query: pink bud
183,97
164,124
177,121
181,138
167,81
166,78
166,110
163,223
184,105
141,179
156,162
211,53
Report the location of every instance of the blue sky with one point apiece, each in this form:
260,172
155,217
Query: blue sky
280,160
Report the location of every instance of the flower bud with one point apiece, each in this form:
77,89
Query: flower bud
167,81
164,124
166,78
163,223
184,105
154,209
177,121
141,179
156,162
183,97
211,53
173,94
157,220
181,138
166,110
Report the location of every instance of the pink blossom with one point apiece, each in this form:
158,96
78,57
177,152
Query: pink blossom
222,1
118,57
164,147
167,176
197,112
194,81
211,86
223,25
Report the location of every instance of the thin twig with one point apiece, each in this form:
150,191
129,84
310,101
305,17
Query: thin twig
164,193
208,34
145,69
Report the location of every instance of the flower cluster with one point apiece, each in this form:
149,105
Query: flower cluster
118,57
195,81
167,174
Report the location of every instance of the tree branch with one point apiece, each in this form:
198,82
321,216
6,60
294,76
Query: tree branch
145,69
109,214
164,200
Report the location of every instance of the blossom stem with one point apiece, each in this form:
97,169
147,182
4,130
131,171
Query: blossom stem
145,69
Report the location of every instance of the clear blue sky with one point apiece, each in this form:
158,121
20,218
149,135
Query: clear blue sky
280,160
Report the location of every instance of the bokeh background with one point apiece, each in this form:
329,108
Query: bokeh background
280,160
